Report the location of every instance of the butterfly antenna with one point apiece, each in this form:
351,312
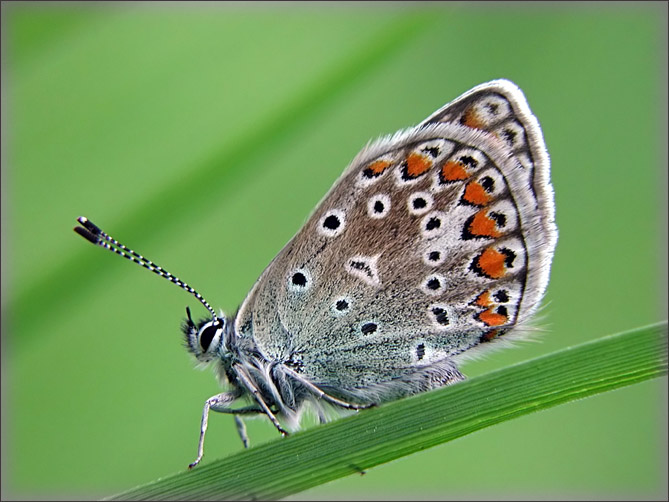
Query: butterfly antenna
94,234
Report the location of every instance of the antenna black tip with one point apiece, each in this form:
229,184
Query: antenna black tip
89,225
86,235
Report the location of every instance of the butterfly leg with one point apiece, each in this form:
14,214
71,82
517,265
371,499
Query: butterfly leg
241,430
221,403
218,402
245,379
313,388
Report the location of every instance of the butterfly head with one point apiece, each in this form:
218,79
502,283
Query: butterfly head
205,339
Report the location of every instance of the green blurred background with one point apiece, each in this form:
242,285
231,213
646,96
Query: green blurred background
204,134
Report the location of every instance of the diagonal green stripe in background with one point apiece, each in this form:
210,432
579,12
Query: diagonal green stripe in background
224,171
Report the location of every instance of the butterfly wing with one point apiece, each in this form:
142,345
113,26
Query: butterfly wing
500,108
433,241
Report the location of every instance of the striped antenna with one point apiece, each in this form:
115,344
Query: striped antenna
94,234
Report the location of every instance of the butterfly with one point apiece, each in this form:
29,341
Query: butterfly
434,244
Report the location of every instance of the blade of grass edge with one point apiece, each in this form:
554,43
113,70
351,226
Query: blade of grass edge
350,445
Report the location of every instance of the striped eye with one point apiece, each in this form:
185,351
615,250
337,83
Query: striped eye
208,339
206,336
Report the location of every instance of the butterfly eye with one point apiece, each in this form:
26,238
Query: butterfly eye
207,334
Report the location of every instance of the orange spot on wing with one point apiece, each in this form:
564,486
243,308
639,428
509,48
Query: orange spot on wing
471,119
492,263
482,225
475,194
378,166
454,171
492,318
483,300
417,164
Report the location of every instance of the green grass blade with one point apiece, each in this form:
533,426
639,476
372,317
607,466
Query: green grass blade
350,445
